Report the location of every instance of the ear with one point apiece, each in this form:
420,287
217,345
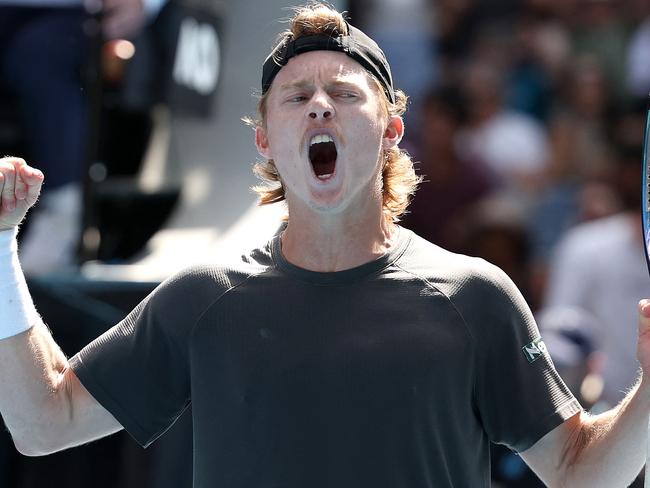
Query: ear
262,143
393,133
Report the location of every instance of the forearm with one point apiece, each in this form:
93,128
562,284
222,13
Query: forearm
31,364
31,375
609,450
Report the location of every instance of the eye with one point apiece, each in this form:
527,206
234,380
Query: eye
347,94
296,98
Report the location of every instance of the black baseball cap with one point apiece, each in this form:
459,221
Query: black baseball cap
356,45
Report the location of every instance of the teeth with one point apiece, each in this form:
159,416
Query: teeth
324,177
320,138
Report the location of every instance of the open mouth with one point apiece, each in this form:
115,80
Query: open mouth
322,155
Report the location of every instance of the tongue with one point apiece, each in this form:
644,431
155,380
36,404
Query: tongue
323,158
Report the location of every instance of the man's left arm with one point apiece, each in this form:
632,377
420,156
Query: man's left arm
606,450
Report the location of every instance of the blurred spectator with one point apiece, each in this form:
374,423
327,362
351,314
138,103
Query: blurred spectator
460,23
406,32
530,84
43,48
638,60
579,143
559,10
570,335
512,144
451,182
41,53
599,29
457,22
551,47
600,267
577,181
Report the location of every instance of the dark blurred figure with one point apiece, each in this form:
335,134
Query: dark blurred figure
540,53
43,50
460,24
577,183
511,144
451,183
599,29
579,124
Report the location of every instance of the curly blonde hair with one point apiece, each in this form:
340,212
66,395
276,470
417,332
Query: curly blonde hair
399,180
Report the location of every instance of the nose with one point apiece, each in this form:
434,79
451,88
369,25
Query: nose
324,114
321,108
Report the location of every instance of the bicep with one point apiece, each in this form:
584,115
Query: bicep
547,457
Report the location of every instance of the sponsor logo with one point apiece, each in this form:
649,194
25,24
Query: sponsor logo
534,350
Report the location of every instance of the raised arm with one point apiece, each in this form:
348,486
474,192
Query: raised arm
606,450
43,404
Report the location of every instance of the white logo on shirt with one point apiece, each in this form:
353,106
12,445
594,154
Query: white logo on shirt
534,350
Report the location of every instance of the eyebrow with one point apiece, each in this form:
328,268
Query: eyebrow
337,82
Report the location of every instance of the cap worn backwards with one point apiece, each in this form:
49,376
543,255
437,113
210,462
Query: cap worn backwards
356,45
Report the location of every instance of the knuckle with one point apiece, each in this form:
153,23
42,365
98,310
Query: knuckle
10,162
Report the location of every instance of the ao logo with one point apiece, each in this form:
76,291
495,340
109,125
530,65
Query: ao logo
197,57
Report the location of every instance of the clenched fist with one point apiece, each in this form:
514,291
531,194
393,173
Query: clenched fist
20,186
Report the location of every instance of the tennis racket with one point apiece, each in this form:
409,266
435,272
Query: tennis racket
646,187
646,239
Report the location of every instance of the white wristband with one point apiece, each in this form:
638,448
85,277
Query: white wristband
17,311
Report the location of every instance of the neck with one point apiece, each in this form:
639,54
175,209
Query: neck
329,243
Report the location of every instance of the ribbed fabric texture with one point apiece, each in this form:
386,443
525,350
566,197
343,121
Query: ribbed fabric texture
381,375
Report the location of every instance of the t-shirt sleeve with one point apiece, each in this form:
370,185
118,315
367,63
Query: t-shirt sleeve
139,369
519,395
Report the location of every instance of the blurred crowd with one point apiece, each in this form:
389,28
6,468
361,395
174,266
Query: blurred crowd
527,120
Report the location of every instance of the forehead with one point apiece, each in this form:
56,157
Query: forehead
320,66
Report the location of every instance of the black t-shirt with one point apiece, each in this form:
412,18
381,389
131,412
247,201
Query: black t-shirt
396,373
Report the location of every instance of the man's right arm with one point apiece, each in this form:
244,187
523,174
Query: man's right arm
42,402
